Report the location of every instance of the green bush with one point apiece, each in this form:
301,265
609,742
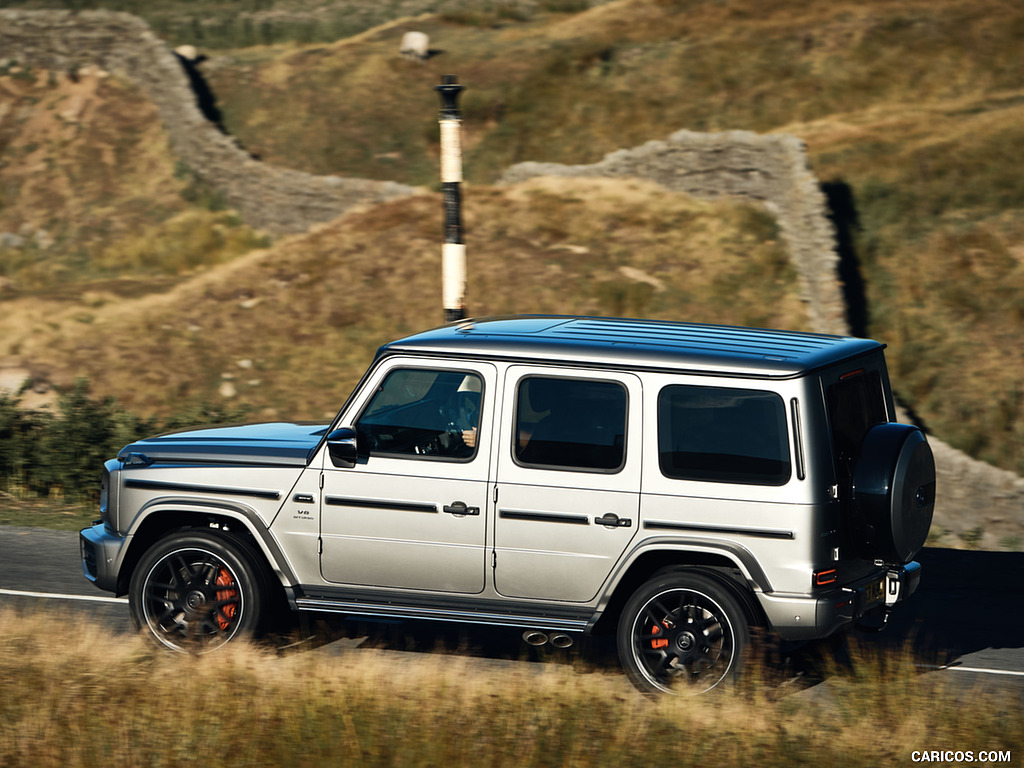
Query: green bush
58,454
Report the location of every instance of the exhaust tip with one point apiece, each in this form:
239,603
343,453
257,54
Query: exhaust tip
561,641
533,637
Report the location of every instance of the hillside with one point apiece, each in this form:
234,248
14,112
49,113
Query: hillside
911,113
289,330
90,191
122,263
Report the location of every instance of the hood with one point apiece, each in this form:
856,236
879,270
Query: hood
277,444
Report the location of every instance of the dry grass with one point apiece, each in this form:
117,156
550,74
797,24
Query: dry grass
54,514
91,698
88,182
571,88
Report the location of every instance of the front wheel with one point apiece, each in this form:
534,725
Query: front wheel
194,591
682,633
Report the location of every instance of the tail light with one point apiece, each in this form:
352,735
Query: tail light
826,577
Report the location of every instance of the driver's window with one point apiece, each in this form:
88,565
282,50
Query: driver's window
423,413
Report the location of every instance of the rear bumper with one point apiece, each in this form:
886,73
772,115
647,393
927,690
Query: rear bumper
799,617
101,556
901,582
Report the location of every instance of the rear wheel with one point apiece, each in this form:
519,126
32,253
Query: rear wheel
682,633
194,591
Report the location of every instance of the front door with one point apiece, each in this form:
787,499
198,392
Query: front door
412,513
568,480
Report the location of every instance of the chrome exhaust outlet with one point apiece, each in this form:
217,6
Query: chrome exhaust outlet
561,641
534,637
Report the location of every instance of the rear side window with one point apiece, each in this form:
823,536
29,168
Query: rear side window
574,424
723,435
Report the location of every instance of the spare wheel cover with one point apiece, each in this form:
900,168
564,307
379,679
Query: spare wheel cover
893,492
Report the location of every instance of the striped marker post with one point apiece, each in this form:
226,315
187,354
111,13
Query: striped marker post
453,253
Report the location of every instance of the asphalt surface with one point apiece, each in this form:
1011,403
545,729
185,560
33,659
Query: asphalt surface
42,568
968,613
966,619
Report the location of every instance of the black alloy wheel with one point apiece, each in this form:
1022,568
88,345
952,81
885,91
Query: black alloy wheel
195,591
682,633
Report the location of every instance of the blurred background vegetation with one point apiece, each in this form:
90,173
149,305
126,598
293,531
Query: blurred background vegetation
125,269
218,24
55,454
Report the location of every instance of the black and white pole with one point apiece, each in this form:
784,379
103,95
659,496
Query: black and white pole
453,253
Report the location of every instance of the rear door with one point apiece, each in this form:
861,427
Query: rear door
568,480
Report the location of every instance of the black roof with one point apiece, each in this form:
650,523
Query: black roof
694,347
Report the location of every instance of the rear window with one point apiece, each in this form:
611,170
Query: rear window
723,435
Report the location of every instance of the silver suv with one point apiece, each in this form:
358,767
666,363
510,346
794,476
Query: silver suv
674,484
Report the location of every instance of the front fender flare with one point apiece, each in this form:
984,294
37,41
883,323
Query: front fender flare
168,507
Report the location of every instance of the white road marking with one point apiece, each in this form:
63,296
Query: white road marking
982,670
57,596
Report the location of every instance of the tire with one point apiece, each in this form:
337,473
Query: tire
194,591
683,633
893,494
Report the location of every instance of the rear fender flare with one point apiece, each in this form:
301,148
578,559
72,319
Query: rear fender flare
684,552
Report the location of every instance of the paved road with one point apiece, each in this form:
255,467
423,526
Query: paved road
41,568
968,612
968,615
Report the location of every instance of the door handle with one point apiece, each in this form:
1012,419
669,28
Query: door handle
460,508
611,520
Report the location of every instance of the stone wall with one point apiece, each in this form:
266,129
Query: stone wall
277,200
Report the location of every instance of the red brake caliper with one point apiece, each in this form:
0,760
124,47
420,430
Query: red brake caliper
227,612
658,642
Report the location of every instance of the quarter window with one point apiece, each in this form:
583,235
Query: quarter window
723,435
423,413
573,424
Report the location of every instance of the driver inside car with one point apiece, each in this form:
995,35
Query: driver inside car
466,411
423,412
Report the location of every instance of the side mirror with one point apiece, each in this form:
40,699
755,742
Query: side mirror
343,447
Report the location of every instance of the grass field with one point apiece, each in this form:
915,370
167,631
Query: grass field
91,698
54,514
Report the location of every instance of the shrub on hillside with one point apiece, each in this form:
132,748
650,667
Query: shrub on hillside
59,453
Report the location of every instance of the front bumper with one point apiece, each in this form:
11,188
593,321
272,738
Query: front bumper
798,617
101,552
